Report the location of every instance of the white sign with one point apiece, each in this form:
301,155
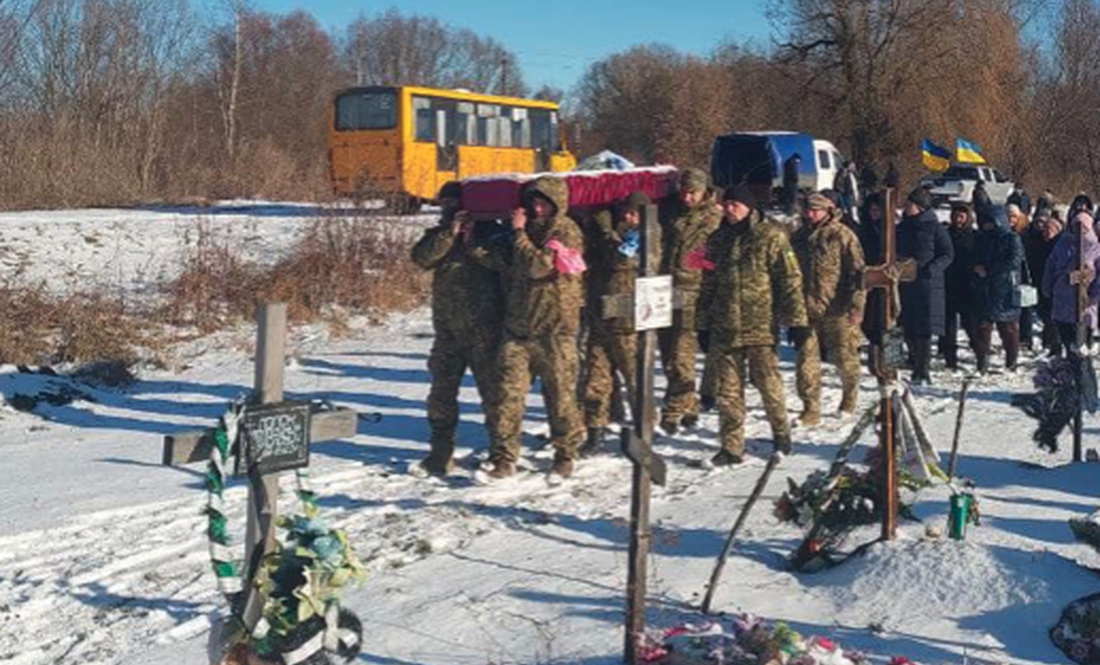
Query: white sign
653,303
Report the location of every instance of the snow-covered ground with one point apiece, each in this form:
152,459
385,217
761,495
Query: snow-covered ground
103,552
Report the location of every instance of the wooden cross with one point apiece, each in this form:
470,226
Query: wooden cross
886,276
1082,279
263,482
651,307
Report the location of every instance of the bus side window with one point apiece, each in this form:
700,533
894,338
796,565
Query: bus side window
504,128
425,120
488,127
466,124
541,130
521,129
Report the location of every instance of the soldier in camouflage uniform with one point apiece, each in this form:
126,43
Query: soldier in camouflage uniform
467,314
542,318
612,344
832,265
686,233
754,286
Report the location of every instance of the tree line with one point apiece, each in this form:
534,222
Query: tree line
123,101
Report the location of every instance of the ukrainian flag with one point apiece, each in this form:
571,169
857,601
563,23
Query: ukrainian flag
934,157
967,152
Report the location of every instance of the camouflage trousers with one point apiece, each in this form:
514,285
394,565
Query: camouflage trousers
452,353
609,354
678,348
554,360
841,341
762,365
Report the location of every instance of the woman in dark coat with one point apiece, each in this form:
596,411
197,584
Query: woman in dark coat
1038,243
923,314
998,262
957,277
869,232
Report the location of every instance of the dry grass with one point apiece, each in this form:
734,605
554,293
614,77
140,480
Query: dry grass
339,267
39,328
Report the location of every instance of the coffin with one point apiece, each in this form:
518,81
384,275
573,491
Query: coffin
495,196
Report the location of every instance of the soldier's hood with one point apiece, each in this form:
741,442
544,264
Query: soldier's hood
553,189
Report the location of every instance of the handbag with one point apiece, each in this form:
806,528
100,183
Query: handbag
1026,294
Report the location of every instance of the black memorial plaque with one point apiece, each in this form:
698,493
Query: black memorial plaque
275,437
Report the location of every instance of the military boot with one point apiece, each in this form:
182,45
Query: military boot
690,421
783,444
563,465
594,444
810,417
848,404
670,426
726,458
501,468
437,464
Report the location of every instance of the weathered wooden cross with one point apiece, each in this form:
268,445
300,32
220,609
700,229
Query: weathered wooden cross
275,437
651,308
887,276
1082,279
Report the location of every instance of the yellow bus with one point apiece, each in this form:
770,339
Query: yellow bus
404,143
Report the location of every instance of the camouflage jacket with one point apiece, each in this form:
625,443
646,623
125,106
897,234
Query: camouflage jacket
610,271
465,295
832,265
539,301
754,287
686,232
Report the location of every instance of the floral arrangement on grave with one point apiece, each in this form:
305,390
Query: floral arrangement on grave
301,581
830,506
750,641
1077,633
1057,398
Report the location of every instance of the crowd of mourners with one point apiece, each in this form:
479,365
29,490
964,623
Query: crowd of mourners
527,299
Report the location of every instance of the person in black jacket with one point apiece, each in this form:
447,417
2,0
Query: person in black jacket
980,198
957,280
921,237
869,232
1020,199
791,169
868,179
1020,224
998,261
1038,242
893,176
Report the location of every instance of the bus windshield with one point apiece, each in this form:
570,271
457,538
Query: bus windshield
369,109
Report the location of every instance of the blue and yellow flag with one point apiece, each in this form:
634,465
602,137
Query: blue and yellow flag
967,152
934,157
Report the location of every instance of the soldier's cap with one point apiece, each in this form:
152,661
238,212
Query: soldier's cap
741,194
694,180
635,202
921,198
819,202
451,190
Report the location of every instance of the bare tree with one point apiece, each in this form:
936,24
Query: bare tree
394,49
